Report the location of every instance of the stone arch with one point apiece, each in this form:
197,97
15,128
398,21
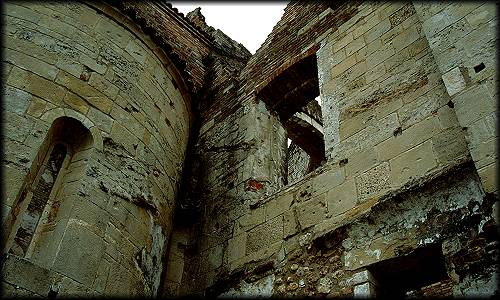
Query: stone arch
38,201
51,115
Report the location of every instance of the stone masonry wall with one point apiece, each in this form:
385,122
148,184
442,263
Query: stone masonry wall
463,41
389,126
91,63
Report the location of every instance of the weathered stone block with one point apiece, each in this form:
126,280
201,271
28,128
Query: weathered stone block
447,117
454,80
450,145
236,247
82,89
76,103
30,63
278,205
341,198
410,137
473,104
312,212
15,269
289,223
377,30
36,85
321,183
360,162
373,182
101,120
484,153
79,253
264,235
412,164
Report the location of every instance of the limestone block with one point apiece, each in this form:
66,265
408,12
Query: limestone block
437,22
480,131
407,37
447,117
312,212
38,107
30,63
16,100
371,19
18,11
14,291
412,164
350,126
102,275
454,80
36,85
90,213
82,89
417,111
355,45
409,138
450,145
289,223
100,119
361,161
341,198
103,85
136,51
76,102
484,153
321,183
14,270
130,286
425,10
13,178
481,15
113,31
377,31
375,73
342,42
93,64
343,66
236,247
79,253
265,235
126,119
379,56
278,205
473,104
373,182
70,65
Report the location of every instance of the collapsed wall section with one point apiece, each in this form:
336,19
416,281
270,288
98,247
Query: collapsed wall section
110,216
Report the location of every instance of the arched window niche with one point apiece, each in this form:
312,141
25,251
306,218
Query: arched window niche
38,213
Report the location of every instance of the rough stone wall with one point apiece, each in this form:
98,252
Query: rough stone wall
93,64
463,40
389,126
297,163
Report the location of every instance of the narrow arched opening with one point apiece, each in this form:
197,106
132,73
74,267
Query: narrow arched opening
38,200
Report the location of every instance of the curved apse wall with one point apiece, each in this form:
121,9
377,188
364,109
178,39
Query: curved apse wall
104,227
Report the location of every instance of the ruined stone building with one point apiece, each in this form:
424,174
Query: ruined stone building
145,152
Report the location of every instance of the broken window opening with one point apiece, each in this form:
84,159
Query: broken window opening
294,96
408,274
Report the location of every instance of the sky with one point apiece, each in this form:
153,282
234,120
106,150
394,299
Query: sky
248,23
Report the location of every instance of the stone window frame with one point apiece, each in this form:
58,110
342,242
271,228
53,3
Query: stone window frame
25,194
